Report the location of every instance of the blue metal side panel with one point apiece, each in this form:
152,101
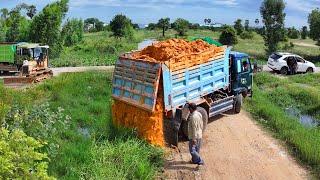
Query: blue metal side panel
136,83
193,83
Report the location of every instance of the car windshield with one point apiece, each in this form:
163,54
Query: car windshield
275,56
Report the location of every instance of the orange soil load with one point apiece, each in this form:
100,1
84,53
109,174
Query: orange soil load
179,54
148,125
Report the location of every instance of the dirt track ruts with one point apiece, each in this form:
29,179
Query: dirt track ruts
235,147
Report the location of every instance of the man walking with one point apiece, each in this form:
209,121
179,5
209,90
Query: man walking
195,127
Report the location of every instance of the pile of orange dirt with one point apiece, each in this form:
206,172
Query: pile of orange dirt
178,50
149,125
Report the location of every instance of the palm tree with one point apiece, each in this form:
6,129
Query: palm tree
4,13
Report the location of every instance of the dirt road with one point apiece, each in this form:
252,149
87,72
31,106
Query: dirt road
59,70
235,148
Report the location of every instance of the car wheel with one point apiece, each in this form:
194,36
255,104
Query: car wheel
309,70
284,71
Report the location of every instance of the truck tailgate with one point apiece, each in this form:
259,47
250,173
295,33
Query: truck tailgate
136,82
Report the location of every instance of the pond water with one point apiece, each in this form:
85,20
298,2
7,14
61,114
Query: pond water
84,131
306,120
145,43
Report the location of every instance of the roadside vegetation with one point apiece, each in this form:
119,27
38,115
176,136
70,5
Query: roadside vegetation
272,99
67,123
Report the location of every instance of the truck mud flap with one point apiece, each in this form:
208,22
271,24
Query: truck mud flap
221,106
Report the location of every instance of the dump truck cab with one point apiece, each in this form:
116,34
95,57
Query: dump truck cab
241,73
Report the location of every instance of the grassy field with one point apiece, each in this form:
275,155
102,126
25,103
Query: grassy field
85,144
102,49
272,97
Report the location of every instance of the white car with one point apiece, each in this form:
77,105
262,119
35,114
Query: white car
278,62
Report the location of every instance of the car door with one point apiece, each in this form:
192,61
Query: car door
302,67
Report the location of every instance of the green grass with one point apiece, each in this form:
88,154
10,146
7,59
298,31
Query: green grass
107,152
272,95
102,49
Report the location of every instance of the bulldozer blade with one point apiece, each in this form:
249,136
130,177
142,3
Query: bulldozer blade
18,80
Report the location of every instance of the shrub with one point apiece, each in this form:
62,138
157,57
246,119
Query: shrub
72,32
228,36
20,156
39,122
247,35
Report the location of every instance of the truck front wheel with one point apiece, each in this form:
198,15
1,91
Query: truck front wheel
204,119
237,104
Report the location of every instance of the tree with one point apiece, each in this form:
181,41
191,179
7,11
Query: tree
257,21
12,34
93,25
194,26
272,12
164,24
238,26
121,26
246,25
181,26
228,36
151,26
293,33
32,10
304,32
4,13
314,23
46,26
135,26
72,32
3,30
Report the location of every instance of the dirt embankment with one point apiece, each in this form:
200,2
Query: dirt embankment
235,148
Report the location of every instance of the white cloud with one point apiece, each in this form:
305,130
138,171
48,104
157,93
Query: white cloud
302,6
152,3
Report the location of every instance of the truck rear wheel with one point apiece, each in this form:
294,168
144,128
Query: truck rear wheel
237,104
204,119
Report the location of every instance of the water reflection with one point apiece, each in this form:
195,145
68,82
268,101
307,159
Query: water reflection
306,120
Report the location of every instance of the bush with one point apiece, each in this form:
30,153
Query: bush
72,32
21,157
228,36
38,122
121,26
247,35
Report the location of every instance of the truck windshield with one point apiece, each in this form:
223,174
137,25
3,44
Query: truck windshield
243,65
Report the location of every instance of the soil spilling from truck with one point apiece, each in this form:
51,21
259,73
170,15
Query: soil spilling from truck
149,125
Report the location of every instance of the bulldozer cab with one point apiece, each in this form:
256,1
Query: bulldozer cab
32,54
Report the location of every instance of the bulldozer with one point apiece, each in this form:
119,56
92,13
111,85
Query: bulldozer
24,63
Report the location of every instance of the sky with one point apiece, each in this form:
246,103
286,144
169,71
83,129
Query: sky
146,11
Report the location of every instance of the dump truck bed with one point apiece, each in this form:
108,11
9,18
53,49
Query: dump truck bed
136,82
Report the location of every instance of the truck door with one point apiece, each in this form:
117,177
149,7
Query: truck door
243,75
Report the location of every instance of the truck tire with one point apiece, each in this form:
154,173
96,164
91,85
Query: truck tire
237,104
204,119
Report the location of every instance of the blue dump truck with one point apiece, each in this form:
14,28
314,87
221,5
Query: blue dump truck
217,86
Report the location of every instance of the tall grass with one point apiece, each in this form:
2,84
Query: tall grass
271,96
91,147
